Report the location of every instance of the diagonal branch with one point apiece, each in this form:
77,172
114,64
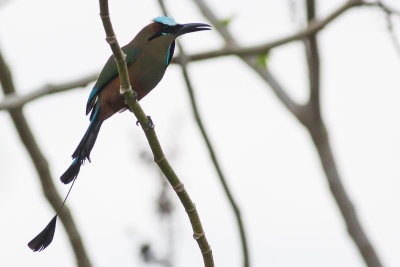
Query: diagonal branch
214,159
42,168
183,63
152,139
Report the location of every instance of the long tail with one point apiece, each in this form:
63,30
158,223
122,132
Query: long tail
84,148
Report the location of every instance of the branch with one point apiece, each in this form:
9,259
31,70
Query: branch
312,28
17,101
251,61
309,116
152,139
214,159
314,123
313,63
13,101
183,61
42,168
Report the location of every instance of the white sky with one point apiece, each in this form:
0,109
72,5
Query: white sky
268,157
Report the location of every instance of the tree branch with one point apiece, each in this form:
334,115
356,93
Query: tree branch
311,29
17,101
320,138
182,61
309,116
214,160
251,61
13,101
42,168
152,139
314,123
313,62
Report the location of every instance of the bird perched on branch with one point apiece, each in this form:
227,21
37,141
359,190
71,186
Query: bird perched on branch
147,56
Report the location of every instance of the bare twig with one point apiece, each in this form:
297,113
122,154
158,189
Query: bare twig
13,101
182,61
42,168
152,139
309,115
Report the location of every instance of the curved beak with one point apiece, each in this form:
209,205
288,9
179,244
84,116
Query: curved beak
192,27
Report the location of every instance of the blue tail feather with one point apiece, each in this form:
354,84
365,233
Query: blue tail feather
82,152
72,172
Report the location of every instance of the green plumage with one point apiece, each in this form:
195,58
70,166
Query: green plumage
108,72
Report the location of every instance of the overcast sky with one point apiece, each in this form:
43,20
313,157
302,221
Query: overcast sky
290,216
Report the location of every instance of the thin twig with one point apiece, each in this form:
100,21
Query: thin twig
159,157
42,168
182,61
214,159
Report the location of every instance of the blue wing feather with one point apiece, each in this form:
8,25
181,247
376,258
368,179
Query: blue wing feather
171,50
108,72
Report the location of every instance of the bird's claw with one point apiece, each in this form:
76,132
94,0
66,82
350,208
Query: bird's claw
135,95
149,125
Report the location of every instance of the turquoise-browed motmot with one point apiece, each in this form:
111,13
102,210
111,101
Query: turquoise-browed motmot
147,56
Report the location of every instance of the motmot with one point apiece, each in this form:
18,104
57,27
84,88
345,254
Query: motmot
147,56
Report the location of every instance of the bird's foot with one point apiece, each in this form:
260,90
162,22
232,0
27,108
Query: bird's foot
149,125
135,95
134,100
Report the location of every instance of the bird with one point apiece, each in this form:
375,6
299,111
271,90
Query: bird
147,56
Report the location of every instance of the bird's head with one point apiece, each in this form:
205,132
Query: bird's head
167,26
159,36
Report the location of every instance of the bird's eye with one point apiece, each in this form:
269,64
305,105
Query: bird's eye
158,34
165,30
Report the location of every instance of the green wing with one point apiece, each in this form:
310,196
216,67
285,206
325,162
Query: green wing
108,72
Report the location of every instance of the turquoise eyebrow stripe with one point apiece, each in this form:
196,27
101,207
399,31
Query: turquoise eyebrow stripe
167,20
